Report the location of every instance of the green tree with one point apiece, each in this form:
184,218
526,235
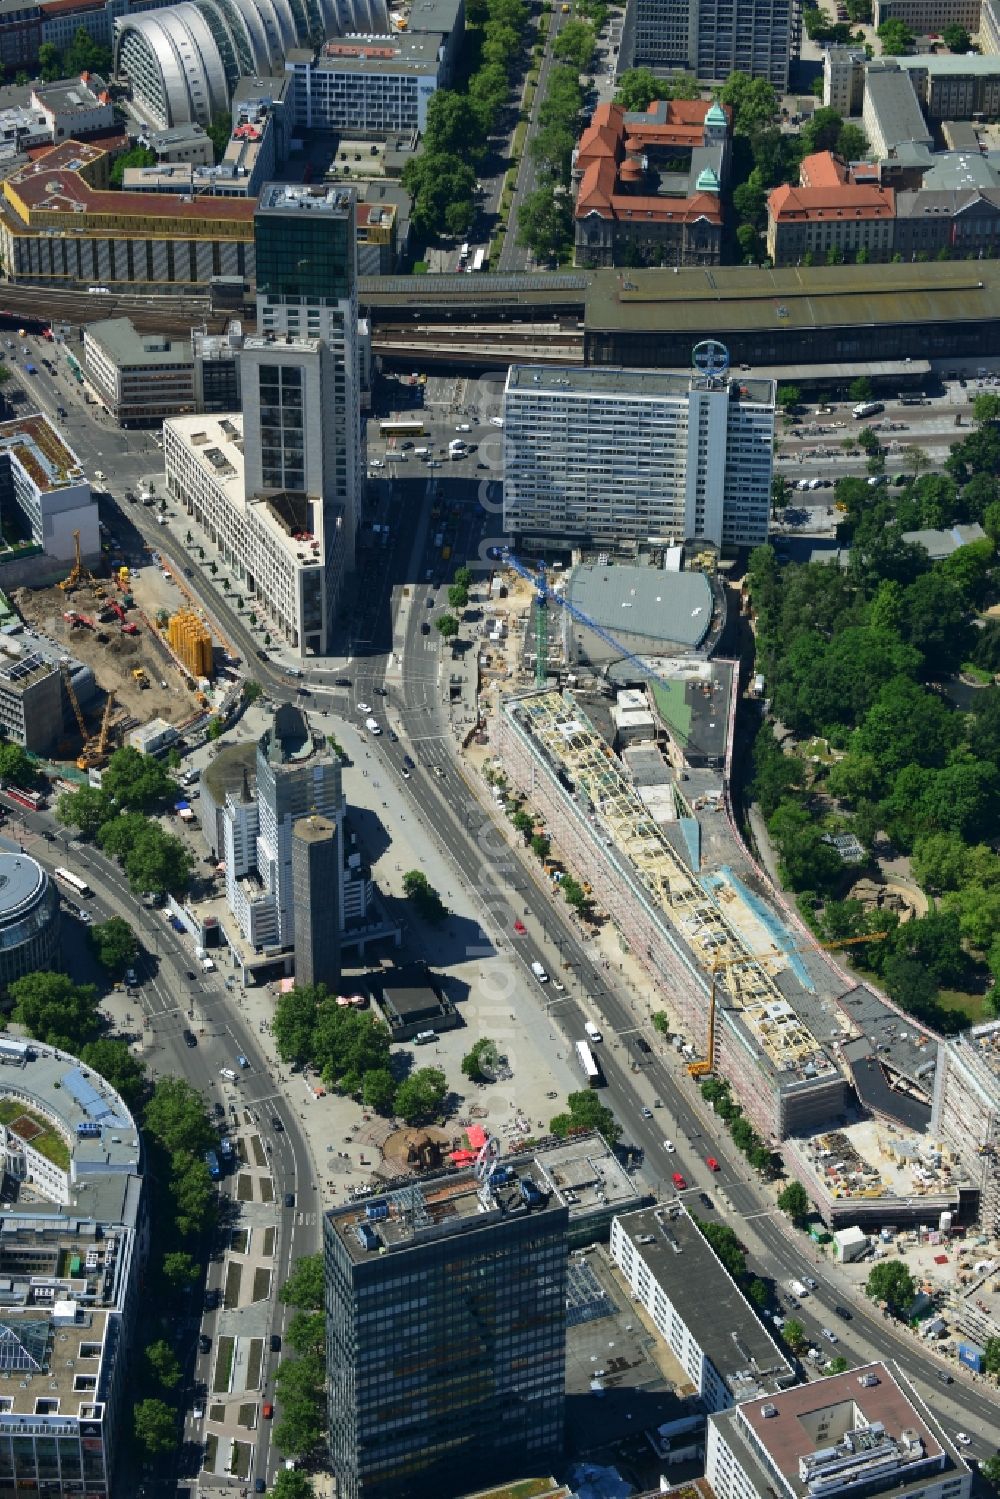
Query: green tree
155,1427
54,1010
637,88
136,782
152,859
428,903
442,187
451,124
822,131
794,1200
727,1247
180,1270
989,1469
251,690
891,1283
16,767
551,150
939,861
163,1363
852,144
896,37
289,1483
545,222
991,1356
480,1056
794,1335
176,1118
584,1111
117,1065
419,1097
860,389
84,55
378,1090
139,156
522,822
956,38
754,101
573,893
458,596
113,943
49,62
216,728
347,1045
789,396
294,1023
307,1332
575,44
838,1365
448,625
748,239
219,133
304,1288
540,846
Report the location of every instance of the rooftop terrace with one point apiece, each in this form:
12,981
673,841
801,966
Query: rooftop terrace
36,444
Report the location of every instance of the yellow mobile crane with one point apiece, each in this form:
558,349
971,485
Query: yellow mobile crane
95,751
80,573
702,1068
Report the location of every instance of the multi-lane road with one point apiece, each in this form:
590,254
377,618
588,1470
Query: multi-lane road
169,1002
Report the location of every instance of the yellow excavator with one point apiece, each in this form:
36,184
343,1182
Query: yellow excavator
706,1065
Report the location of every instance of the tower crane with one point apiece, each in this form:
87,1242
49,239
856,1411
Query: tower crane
544,595
701,1068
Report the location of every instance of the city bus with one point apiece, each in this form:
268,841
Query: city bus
73,881
410,426
32,800
588,1066
478,259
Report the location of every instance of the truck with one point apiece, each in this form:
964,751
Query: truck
798,1289
592,1031
867,408
539,972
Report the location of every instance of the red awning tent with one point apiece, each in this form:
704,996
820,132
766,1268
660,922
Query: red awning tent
476,1136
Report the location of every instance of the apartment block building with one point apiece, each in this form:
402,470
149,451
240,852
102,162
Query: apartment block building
44,490
31,690
446,1333
712,38
367,85
844,80
611,457
925,17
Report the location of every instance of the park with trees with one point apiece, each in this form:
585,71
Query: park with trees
881,677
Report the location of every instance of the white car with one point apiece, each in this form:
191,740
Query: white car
669,1146
364,707
647,1113
964,1438
464,427
372,725
830,1335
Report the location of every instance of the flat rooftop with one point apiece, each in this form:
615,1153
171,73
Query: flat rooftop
720,1319
18,673
21,879
585,1174
601,383
444,1207
645,601
37,445
417,52
123,343
985,1040
865,1430
743,298
288,197
561,733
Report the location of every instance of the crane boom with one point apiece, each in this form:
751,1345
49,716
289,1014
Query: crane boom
74,701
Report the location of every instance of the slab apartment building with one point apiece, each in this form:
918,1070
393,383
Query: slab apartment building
712,38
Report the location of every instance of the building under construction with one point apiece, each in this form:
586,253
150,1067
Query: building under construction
191,643
966,1114
676,923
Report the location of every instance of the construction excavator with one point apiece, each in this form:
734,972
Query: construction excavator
706,1065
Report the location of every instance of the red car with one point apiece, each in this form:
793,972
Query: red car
712,1163
520,929
679,1181
267,1410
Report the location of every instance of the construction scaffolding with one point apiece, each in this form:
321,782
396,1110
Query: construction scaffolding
191,643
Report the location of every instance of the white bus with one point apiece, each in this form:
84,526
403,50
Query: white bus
478,259
588,1066
78,886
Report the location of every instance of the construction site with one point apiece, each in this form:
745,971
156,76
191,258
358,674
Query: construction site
117,627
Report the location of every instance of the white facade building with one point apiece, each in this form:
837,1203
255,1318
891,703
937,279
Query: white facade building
204,463
713,38
865,1431
615,457
367,85
48,487
697,1308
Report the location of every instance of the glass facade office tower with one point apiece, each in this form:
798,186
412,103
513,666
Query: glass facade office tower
446,1334
301,376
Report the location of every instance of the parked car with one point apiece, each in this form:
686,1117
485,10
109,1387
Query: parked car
204,1343
190,1039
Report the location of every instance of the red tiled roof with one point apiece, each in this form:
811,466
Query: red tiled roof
822,169
604,149
787,204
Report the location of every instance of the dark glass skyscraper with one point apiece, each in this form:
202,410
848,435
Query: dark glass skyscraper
304,244
446,1335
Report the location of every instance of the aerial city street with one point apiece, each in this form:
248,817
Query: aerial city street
500,749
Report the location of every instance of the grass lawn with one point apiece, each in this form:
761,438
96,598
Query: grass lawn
234,1274
269,1237
261,1284
42,1138
239,1462
224,1366
211,1450
259,1153
241,1240
248,1415
244,1189
976,674
255,1362
267,1195
970,1005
